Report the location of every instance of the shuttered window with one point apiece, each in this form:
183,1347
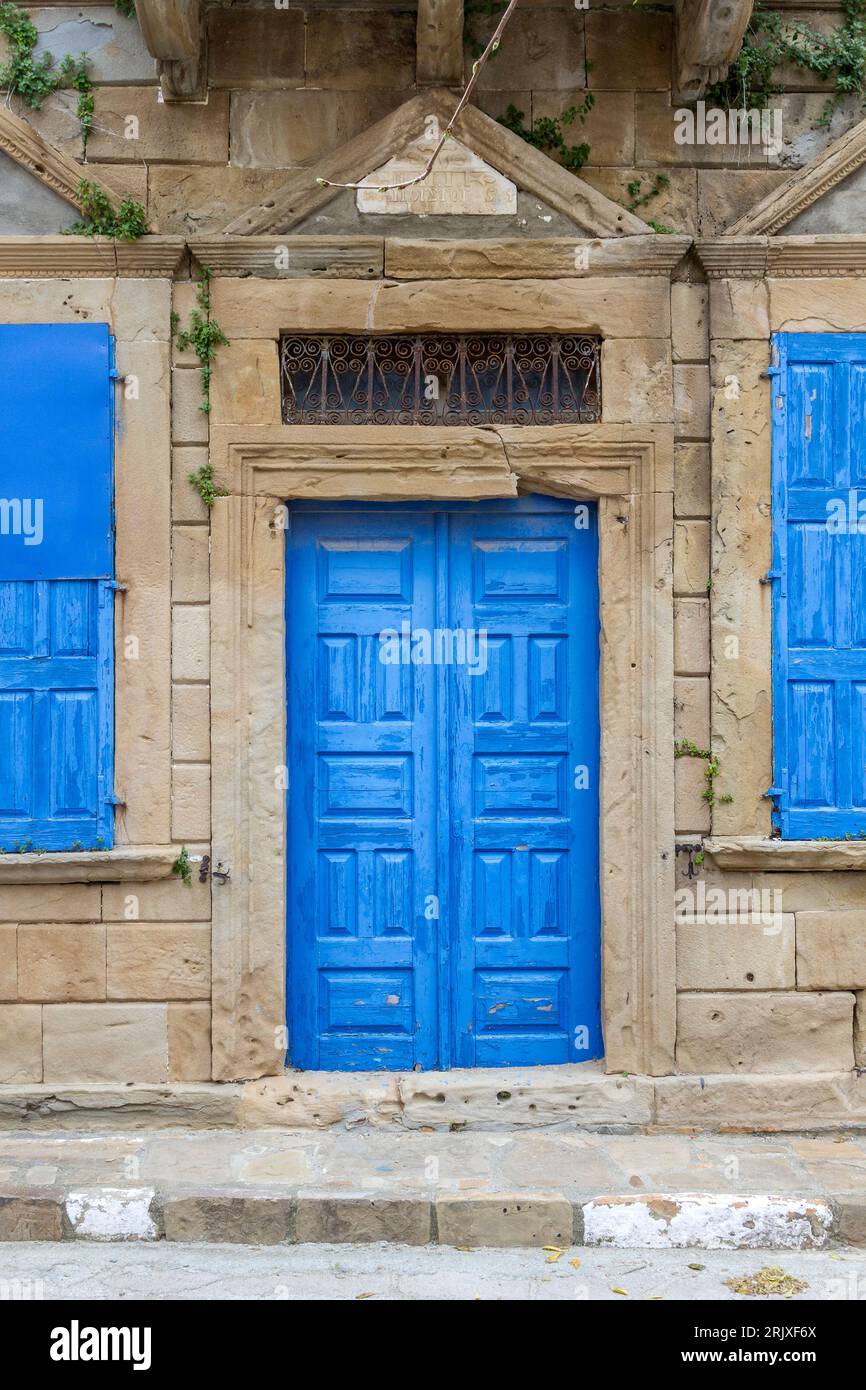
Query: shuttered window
819,584
56,587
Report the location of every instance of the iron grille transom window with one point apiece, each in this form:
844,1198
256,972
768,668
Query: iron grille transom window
441,379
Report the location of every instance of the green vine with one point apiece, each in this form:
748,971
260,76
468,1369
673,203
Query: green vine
183,868
34,79
127,222
203,335
637,198
486,7
203,482
126,8
546,132
771,40
685,748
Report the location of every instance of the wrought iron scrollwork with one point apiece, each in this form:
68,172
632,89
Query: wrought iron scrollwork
441,379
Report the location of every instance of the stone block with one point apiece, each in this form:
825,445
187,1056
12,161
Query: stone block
167,961
831,950
49,902
20,1043
542,51
229,1218
61,963
726,194
691,480
163,900
691,636
637,380
255,47
285,129
729,954
245,389
190,643
186,502
655,126
692,710
818,305
189,1042
740,309
31,1218
522,1219
692,401
190,723
860,1030
674,206
691,558
189,423
353,50
691,811
193,199
608,127
105,1042
165,131
8,961
690,322
629,48
190,802
758,1032
364,1220
115,47
190,564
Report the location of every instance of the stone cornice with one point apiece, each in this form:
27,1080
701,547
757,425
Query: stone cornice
365,258
757,257
59,257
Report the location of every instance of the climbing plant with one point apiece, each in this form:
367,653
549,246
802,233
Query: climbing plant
546,132
685,748
34,79
127,222
772,39
203,334
203,482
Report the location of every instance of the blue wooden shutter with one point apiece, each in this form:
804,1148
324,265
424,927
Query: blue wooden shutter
819,573
56,587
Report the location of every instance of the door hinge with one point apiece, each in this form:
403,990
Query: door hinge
770,576
220,874
117,586
114,800
773,793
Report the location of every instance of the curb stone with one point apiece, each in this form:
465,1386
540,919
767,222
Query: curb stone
700,1220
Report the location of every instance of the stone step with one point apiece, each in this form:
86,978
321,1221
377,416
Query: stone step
581,1097
513,1188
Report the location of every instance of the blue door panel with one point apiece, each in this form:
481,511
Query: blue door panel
819,572
56,590
443,808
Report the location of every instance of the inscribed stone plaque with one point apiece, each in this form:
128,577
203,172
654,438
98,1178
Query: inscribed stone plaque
459,183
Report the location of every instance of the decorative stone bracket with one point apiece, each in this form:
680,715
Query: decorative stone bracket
176,37
709,35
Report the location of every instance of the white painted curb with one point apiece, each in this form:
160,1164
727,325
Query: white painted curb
112,1213
707,1221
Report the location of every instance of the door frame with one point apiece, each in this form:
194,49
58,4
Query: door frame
628,471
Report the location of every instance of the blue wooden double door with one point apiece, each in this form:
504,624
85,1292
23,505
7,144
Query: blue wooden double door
443,898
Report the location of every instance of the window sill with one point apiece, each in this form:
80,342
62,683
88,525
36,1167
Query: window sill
754,852
138,863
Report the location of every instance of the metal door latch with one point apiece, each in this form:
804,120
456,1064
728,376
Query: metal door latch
219,873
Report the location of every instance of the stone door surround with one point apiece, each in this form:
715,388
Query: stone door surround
627,471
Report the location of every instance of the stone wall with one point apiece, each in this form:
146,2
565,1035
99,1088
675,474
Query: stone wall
287,85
